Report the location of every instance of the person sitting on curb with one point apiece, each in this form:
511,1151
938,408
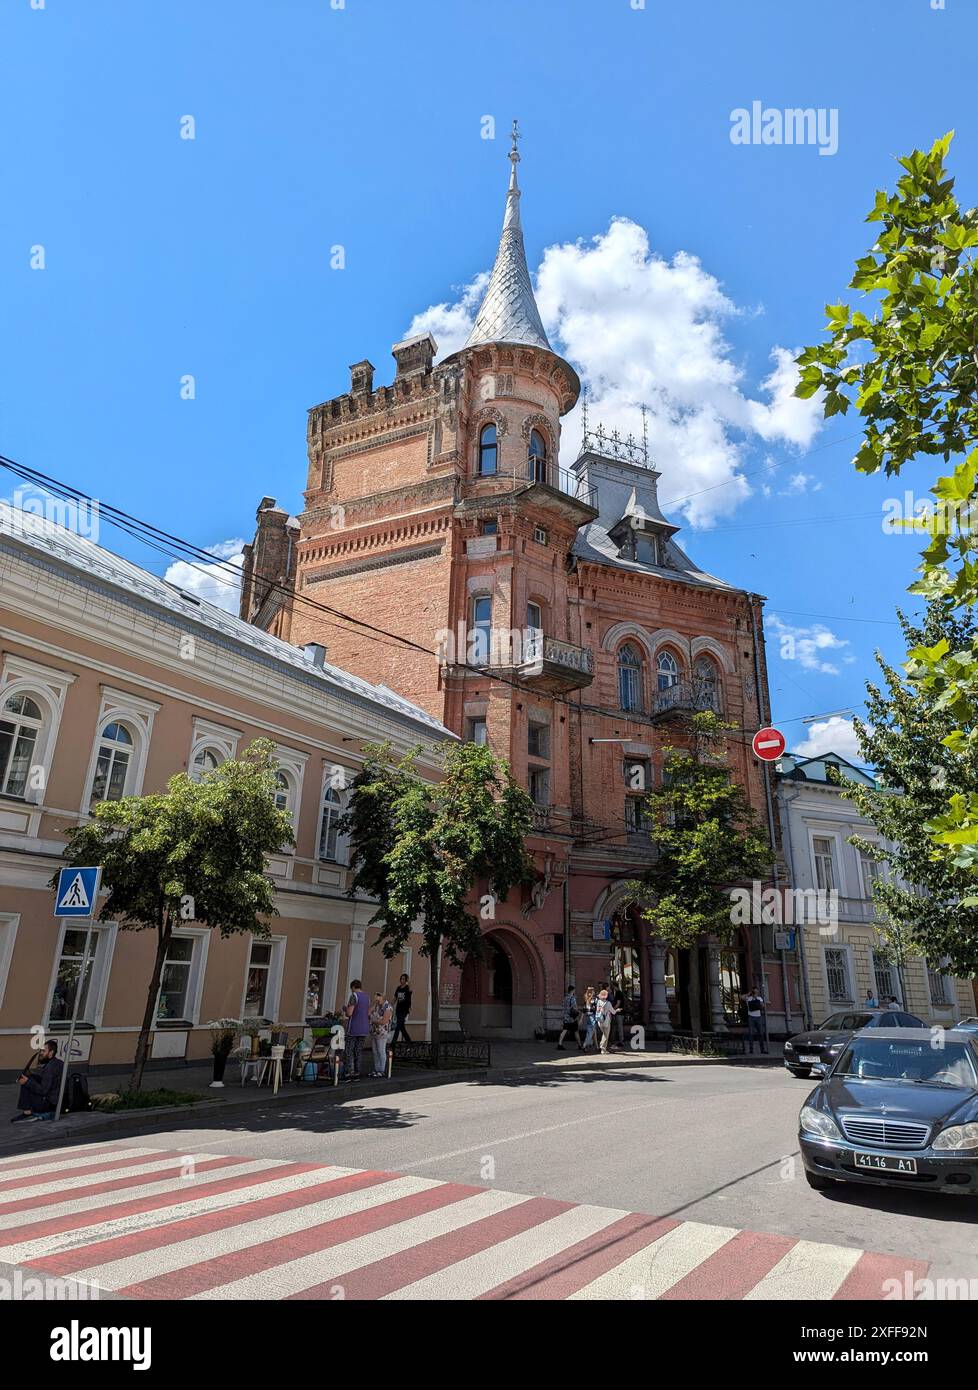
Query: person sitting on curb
39,1086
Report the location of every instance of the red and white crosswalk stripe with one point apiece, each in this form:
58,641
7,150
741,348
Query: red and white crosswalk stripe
158,1224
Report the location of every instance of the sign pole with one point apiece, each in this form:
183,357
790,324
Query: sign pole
82,978
76,897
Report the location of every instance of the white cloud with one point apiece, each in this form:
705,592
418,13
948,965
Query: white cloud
799,483
833,735
642,329
218,584
807,645
451,324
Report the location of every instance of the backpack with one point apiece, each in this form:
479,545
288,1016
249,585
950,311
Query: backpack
77,1098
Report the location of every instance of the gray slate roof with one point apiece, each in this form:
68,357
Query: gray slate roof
50,542
509,312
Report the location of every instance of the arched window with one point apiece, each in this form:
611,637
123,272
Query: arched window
666,670
21,723
707,684
479,638
487,450
205,760
537,457
629,678
328,833
115,755
284,791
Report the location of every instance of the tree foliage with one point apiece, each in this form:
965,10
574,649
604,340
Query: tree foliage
903,738
707,840
420,847
910,368
194,852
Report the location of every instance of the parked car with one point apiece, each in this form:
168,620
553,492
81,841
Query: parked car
967,1025
820,1047
896,1110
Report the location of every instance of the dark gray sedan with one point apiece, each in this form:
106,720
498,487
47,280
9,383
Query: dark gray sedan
817,1049
898,1108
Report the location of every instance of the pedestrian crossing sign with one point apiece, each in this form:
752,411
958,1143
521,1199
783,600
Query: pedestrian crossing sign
77,892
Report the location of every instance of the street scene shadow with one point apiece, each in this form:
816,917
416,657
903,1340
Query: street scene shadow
934,1206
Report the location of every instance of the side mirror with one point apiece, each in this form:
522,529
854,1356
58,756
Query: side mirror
819,1069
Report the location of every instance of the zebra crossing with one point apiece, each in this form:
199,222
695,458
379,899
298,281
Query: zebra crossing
149,1223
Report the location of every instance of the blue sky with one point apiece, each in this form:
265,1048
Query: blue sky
362,126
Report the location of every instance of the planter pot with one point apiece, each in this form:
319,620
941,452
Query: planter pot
220,1062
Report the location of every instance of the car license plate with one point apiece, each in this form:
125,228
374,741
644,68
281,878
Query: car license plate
886,1163
808,1059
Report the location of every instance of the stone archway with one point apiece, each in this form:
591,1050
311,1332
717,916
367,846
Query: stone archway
502,995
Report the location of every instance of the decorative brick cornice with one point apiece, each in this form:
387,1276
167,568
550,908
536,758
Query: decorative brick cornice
385,560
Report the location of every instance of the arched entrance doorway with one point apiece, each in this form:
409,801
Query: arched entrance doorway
502,994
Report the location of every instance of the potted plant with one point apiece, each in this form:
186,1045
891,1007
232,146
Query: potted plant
224,1034
280,1035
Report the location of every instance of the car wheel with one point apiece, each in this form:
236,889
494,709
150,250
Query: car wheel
819,1184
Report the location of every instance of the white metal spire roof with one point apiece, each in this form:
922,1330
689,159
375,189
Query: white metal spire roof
509,313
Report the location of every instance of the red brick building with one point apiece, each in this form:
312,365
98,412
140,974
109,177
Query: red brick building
436,509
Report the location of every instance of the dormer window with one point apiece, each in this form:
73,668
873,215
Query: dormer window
488,451
537,458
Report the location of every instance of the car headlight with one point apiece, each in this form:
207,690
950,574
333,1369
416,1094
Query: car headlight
957,1137
789,1047
818,1123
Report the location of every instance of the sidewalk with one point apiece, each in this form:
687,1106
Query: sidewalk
213,1105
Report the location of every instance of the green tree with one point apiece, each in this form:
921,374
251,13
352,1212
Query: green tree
706,836
195,852
903,738
421,847
911,371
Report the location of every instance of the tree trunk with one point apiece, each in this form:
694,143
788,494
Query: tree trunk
149,1016
433,975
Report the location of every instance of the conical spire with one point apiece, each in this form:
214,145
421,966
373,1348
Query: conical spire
509,313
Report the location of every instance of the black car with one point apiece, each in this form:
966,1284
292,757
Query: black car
822,1046
898,1108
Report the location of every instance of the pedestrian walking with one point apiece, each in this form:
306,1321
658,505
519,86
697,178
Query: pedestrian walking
357,1028
618,999
402,1009
754,1003
604,1012
381,1014
571,1018
590,1009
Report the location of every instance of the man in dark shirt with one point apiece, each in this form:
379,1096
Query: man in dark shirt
39,1086
402,1009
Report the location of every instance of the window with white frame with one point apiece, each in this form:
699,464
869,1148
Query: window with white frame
870,871
629,678
175,1000
666,671
329,837
113,763
937,985
262,979
885,978
68,979
205,760
321,979
480,636
21,728
9,922
285,793
125,727
32,700
837,974
823,852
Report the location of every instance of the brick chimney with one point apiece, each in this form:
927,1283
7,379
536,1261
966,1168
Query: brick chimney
414,355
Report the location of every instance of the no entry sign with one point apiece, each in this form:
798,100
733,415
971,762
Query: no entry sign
768,744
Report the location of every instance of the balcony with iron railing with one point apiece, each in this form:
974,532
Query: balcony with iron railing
542,482
686,697
548,664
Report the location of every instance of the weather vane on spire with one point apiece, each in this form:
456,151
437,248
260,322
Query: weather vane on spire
514,153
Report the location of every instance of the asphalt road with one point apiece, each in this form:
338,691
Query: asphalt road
702,1143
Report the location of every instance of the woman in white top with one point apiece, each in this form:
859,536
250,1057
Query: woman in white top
380,1027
